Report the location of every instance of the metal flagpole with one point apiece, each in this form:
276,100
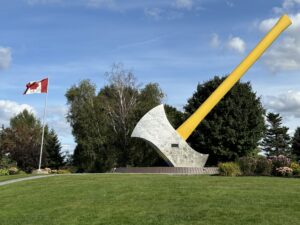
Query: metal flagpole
44,122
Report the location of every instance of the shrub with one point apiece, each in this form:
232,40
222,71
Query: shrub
284,171
263,166
255,166
48,170
13,170
42,171
6,162
296,168
247,165
71,169
229,169
280,161
4,172
21,172
63,171
54,171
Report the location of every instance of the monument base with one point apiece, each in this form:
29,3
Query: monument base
168,170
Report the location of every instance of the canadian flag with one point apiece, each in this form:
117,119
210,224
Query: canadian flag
37,87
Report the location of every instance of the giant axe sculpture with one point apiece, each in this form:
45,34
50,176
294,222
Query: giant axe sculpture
171,144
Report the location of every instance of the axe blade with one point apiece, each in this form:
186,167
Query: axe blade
155,128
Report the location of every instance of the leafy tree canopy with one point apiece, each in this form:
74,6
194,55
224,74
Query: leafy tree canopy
233,128
102,123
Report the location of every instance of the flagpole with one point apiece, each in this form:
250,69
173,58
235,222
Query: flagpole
43,132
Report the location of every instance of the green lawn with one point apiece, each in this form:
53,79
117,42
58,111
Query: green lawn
11,177
151,199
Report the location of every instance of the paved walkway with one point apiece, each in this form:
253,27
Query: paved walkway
24,178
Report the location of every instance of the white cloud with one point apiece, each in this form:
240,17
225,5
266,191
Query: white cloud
237,44
267,24
215,41
57,118
154,13
285,54
184,4
233,43
9,109
159,13
287,103
68,147
287,4
5,57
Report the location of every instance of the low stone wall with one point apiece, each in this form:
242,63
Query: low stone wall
168,170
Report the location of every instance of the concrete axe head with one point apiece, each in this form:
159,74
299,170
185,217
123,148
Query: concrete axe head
155,128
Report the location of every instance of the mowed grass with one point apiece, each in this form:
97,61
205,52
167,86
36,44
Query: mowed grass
151,199
11,177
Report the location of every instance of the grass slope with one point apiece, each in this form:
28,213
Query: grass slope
151,199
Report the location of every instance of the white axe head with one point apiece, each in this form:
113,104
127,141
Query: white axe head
155,128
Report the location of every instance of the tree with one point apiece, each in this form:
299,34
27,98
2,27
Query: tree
102,123
175,116
68,159
119,100
277,140
125,103
142,153
22,140
233,128
296,144
55,158
89,128
1,142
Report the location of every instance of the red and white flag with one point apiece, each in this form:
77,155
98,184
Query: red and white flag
37,87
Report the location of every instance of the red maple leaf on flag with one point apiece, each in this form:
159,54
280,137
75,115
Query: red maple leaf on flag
33,85
37,87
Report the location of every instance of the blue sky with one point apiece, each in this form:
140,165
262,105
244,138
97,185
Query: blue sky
177,43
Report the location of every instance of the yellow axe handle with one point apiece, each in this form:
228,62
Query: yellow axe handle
193,121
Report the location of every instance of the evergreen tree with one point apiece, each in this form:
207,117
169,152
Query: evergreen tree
296,144
55,159
68,158
277,140
22,141
233,128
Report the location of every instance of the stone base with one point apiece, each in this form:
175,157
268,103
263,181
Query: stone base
168,170
42,171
